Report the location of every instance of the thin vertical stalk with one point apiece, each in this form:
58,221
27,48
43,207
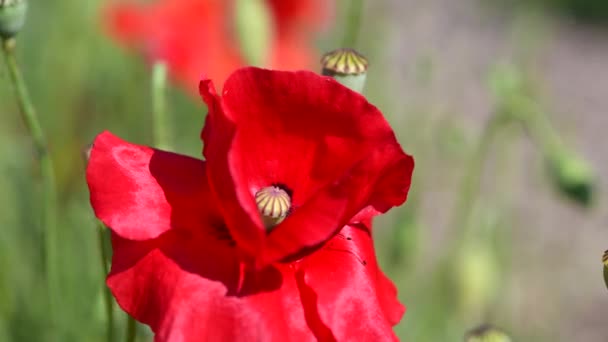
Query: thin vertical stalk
161,140
160,122
472,180
107,296
49,196
462,229
131,329
353,23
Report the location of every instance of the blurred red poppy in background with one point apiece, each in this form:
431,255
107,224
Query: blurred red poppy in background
199,253
198,37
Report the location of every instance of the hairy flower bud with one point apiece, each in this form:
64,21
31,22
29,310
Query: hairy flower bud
477,277
572,176
346,66
12,17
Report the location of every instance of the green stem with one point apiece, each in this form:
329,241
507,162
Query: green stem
131,329
107,296
472,181
159,105
161,140
49,196
539,127
353,23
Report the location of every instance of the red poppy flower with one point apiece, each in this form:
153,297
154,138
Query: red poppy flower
194,256
196,37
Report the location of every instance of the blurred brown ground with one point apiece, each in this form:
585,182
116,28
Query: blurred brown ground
556,283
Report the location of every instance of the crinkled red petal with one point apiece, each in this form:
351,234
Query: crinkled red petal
191,287
141,192
332,149
354,299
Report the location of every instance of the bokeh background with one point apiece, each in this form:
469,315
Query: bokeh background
528,258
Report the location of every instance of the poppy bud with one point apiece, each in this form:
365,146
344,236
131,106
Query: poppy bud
12,17
346,66
605,261
477,276
487,333
572,176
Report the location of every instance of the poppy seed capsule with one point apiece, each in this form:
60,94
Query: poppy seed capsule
12,17
273,204
605,261
344,62
346,66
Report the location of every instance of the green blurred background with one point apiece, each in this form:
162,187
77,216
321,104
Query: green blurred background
528,257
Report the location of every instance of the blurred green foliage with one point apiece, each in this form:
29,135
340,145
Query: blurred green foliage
586,11
487,333
569,173
82,83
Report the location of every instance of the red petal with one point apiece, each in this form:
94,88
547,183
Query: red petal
190,36
187,288
125,22
352,295
324,142
141,192
295,24
242,221
291,52
302,15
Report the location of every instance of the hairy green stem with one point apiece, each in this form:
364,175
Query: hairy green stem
49,196
160,122
107,296
539,127
353,23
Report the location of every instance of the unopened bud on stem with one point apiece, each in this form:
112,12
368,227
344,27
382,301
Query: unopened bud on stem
12,17
572,176
477,277
487,333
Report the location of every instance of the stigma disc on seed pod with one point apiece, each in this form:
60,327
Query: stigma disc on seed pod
346,66
273,204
